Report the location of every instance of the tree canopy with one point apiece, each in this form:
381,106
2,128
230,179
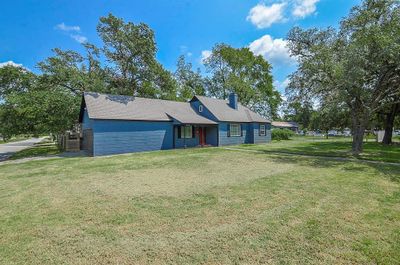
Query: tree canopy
357,65
246,74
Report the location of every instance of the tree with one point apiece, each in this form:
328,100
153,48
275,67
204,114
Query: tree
328,117
71,71
390,117
358,65
190,83
242,72
130,50
28,108
14,79
298,111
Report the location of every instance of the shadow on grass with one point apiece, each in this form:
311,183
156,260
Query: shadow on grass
372,150
392,172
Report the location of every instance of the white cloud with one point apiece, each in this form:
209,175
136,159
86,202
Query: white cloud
303,8
205,54
64,27
184,50
281,86
72,31
79,38
274,50
264,16
10,63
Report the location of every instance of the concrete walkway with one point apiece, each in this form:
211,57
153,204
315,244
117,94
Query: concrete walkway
337,158
6,150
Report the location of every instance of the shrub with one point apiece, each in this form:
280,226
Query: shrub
282,134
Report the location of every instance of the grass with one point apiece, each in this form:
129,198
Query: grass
41,149
199,206
337,147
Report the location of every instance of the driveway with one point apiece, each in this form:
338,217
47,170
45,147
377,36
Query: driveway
6,150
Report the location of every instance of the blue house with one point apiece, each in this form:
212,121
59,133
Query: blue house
114,124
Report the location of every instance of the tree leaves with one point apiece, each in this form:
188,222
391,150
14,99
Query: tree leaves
242,72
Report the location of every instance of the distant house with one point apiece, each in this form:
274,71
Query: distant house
291,125
114,124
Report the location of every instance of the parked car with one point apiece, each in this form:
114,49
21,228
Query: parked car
347,132
332,133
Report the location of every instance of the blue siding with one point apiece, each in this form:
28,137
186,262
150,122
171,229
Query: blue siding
116,137
205,113
86,122
250,134
257,137
232,140
189,142
212,135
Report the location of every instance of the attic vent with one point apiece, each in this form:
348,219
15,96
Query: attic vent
200,108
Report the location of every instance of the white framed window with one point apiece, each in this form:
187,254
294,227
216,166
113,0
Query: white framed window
234,129
200,108
262,129
186,131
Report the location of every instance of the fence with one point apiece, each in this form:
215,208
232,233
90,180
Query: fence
69,142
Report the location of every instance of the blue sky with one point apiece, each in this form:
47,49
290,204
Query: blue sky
30,29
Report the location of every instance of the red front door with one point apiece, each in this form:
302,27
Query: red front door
202,136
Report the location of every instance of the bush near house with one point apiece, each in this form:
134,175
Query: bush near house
282,134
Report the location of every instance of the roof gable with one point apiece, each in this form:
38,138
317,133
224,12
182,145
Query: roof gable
223,112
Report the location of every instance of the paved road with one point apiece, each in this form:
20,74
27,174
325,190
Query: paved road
6,150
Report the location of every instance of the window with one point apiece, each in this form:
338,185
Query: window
200,108
262,129
186,131
234,130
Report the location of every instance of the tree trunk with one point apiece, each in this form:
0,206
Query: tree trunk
358,133
387,138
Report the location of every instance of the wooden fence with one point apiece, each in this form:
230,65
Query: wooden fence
69,142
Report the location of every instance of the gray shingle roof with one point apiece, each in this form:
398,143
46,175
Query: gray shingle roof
117,107
223,112
285,124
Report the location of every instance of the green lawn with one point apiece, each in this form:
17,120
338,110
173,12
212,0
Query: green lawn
338,147
199,206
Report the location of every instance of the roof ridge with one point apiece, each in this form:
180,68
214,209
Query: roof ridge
130,96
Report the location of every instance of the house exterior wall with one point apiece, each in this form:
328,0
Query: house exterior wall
205,113
224,139
181,142
117,137
250,134
212,135
257,138
87,133
86,122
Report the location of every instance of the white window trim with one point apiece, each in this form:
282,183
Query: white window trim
263,132
238,131
200,108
